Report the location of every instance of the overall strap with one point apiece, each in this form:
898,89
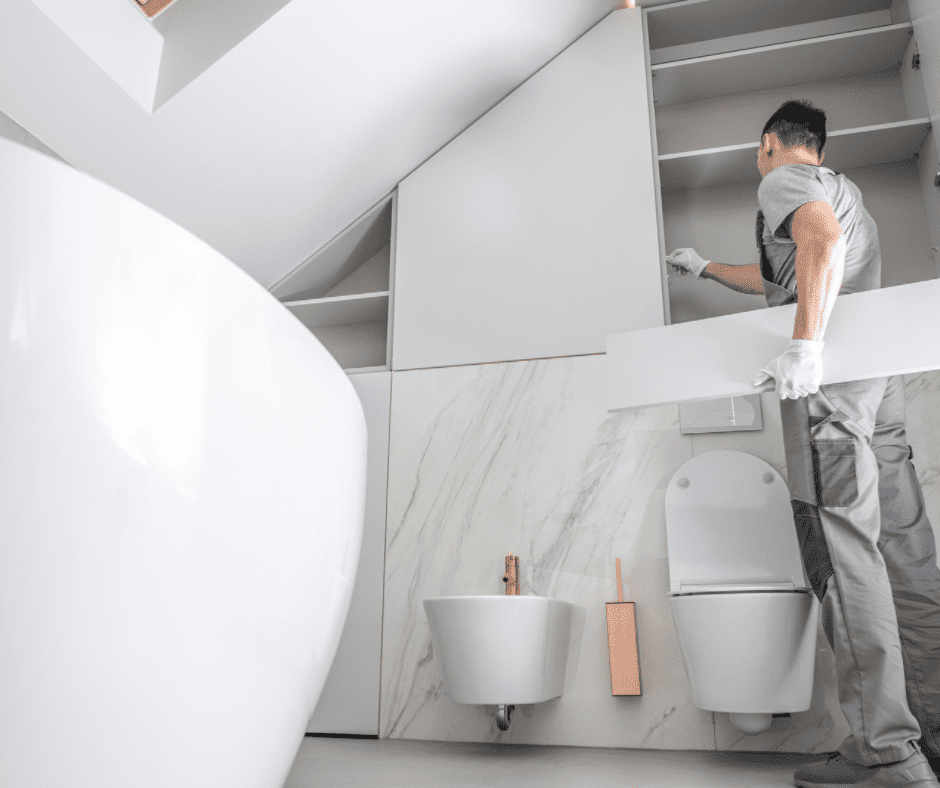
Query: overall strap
765,270
774,293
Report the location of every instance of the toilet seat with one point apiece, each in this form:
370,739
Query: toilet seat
730,529
725,588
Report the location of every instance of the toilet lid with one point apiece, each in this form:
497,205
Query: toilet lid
729,527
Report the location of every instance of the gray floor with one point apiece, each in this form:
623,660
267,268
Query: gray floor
390,763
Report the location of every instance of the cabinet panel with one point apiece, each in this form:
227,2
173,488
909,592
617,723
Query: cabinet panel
925,15
534,233
349,702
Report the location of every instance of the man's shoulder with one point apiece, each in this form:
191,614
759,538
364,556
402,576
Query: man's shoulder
790,180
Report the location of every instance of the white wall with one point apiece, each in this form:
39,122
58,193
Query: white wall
12,130
301,127
117,37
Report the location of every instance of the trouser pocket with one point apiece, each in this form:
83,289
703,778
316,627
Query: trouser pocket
820,451
834,473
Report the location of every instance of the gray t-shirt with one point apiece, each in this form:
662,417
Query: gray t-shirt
785,189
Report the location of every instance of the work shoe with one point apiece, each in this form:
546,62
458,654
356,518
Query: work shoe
913,772
836,771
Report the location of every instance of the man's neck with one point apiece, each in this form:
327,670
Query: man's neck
795,157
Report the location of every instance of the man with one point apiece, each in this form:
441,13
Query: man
865,540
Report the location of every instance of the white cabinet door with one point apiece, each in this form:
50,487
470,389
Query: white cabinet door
534,233
349,702
925,16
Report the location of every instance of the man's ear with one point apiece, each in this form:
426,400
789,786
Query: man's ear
821,157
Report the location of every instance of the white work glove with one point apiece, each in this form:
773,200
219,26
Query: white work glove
798,371
685,260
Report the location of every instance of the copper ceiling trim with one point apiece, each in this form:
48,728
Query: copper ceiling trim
153,7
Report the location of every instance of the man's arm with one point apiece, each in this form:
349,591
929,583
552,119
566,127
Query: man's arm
743,278
820,264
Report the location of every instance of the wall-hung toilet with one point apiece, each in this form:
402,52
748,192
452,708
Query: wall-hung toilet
745,616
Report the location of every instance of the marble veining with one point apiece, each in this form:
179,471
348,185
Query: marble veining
523,457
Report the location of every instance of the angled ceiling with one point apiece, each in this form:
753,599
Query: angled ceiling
301,115
154,59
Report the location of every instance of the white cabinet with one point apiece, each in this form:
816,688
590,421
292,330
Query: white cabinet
349,702
534,233
342,292
715,86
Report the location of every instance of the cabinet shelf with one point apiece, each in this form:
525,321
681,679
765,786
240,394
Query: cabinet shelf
845,149
694,20
816,59
342,293
341,310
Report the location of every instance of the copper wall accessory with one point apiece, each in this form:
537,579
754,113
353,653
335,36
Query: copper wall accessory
622,642
153,7
511,576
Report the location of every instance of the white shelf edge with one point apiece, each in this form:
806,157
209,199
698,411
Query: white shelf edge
709,151
755,145
689,62
357,370
335,299
392,246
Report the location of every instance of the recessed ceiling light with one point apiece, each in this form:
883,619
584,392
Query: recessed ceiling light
153,7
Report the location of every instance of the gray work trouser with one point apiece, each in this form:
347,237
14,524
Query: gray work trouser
870,556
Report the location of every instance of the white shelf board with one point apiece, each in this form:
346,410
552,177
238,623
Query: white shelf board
891,331
357,370
779,35
791,63
845,149
341,310
701,20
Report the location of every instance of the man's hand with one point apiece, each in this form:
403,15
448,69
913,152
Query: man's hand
687,259
797,372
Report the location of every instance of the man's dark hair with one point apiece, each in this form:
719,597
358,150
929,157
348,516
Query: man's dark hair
798,123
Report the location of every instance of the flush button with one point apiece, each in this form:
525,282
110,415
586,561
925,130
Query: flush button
683,482
767,477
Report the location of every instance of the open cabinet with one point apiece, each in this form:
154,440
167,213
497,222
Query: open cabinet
719,70
342,292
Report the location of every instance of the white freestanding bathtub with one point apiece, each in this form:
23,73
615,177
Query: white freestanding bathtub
182,482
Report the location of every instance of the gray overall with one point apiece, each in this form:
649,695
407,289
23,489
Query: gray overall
869,554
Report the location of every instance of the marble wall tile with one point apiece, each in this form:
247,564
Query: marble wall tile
523,457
